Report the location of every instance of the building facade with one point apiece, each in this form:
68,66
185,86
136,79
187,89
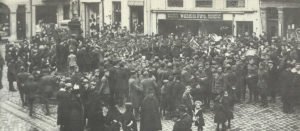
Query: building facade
20,18
176,16
231,17
280,17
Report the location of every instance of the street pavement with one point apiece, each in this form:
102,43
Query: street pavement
247,117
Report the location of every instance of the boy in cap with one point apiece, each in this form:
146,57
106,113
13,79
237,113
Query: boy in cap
198,115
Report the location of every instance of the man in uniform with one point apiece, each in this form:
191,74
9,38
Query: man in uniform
104,90
2,62
122,82
135,94
241,72
21,79
149,85
11,74
287,84
30,87
252,79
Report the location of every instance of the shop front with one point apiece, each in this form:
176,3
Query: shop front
194,22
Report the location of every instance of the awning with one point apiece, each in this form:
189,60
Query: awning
136,3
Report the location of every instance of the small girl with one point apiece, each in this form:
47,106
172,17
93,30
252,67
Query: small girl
72,64
198,116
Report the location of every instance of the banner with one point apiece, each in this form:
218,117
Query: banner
201,16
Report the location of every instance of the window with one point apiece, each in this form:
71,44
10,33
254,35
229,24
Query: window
175,3
66,12
116,12
244,26
204,3
235,3
44,15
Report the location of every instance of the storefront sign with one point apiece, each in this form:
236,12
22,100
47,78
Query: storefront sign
202,16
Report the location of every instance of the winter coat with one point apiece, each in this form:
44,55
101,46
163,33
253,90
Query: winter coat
63,108
199,120
150,116
76,116
135,93
184,123
220,113
218,84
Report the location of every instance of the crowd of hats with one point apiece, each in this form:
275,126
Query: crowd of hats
148,53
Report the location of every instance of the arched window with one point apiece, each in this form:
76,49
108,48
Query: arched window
4,20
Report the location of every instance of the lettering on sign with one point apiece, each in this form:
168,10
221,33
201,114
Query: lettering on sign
202,16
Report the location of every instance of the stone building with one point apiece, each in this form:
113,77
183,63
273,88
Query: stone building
280,17
20,18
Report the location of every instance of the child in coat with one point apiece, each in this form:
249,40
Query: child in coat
198,115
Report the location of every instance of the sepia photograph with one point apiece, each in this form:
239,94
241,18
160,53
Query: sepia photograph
149,65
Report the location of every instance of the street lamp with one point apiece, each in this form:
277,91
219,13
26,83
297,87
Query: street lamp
102,12
74,24
30,2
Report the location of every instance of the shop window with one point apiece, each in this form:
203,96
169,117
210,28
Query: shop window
235,3
244,26
116,12
175,3
66,12
4,20
204,3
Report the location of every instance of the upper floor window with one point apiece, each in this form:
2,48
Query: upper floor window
175,3
235,3
66,9
116,12
204,3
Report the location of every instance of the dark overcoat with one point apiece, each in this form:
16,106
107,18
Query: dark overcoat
184,123
150,116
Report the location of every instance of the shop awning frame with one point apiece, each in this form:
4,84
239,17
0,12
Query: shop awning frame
205,11
136,3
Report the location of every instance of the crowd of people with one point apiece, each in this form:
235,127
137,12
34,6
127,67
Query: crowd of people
111,81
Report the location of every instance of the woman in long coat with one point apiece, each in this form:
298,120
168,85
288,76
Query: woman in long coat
76,116
220,115
228,102
63,109
128,120
114,117
150,116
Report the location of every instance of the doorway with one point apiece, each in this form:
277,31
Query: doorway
91,19
137,19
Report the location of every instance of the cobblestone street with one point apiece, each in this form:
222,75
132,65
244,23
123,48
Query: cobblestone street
247,117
